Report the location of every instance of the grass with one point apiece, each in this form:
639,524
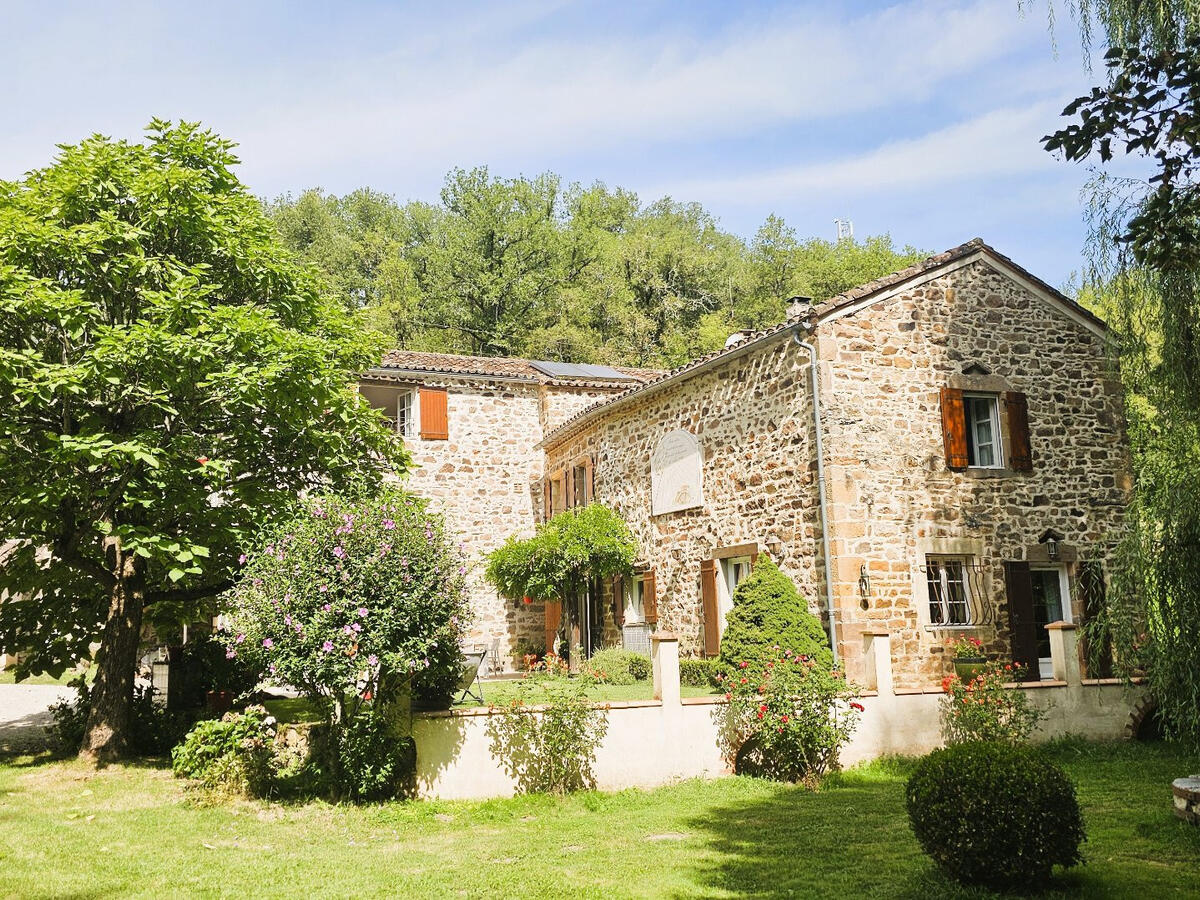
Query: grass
8,676
66,830
496,693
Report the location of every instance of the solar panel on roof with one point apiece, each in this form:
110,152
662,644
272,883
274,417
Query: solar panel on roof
585,371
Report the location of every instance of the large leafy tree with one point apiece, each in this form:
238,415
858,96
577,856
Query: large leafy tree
169,380
1146,277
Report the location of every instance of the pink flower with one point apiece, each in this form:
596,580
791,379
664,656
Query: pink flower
268,643
356,627
241,638
372,660
327,646
203,460
388,524
339,552
362,611
230,653
242,560
323,588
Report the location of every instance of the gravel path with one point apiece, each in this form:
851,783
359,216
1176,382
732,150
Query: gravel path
25,712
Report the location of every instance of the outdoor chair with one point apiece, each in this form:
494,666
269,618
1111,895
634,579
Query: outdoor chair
471,663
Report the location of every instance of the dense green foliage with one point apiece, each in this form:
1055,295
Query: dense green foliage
1146,279
699,671
549,748
566,552
995,814
528,267
169,379
153,729
984,709
614,665
352,599
205,665
371,761
230,755
790,720
768,615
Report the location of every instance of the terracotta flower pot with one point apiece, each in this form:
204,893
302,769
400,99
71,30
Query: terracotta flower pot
967,667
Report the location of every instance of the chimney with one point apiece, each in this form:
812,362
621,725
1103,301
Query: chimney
797,306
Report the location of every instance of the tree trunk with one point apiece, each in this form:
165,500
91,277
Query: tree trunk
107,736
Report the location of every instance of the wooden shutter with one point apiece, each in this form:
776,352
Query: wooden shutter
650,597
708,600
1096,643
546,513
618,607
1022,625
1020,458
569,486
553,617
589,481
954,428
435,424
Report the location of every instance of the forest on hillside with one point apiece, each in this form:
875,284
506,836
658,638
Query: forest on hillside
534,268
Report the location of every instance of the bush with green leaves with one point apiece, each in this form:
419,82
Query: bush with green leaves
153,729
768,616
353,600
698,671
995,814
789,722
230,755
616,665
984,708
563,555
550,746
373,760
205,665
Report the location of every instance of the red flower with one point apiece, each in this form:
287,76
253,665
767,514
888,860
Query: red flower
202,459
783,719
946,682
728,695
743,681
526,600
760,715
743,664
856,705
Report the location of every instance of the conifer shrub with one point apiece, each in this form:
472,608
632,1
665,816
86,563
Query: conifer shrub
768,616
994,814
698,671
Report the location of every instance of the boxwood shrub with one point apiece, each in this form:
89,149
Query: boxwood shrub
994,814
698,671
615,665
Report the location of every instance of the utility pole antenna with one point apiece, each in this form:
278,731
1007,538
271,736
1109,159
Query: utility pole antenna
845,228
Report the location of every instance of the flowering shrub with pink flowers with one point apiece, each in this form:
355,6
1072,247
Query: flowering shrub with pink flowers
353,601
790,721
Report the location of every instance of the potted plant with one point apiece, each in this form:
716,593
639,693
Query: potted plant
968,657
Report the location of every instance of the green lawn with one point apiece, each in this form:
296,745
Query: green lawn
497,693
131,831
8,677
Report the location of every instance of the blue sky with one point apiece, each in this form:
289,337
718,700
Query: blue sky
916,118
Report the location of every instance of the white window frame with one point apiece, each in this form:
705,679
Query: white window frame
943,583
635,600
1045,663
970,400
728,582
406,425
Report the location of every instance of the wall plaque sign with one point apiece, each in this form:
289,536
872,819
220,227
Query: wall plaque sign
676,474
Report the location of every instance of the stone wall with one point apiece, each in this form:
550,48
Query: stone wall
486,480
752,418
892,497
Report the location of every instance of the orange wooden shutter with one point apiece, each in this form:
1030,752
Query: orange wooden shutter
708,600
650,597
553,617
435,424
618,589
1020,459
954,428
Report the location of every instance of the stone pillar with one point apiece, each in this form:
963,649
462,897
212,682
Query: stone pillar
664,655
1064,652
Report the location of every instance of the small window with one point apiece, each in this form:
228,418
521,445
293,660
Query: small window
635,601
406,414
949,591
983,430
557,500
579,485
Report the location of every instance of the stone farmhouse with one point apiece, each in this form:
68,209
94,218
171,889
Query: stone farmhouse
936,454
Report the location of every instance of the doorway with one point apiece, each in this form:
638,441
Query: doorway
1051,603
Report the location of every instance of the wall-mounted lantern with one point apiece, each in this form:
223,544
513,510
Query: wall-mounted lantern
1051,540
864,586
774,546
1052,549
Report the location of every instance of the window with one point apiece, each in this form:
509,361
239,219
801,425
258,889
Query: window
949,594
1050,604
734,570
406,414
635,601
557,501
579,485
983,430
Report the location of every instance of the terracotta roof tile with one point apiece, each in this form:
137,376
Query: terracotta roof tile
496,367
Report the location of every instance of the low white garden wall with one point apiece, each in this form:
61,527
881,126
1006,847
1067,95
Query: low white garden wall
657,742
